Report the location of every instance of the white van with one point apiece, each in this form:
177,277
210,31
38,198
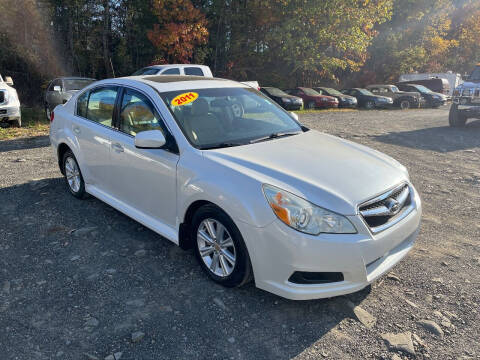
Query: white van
175,69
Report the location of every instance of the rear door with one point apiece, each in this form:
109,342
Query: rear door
93,126
144,179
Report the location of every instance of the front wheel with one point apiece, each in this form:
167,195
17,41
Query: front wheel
405,105
311,105
369,105
456,118
73,175
219,247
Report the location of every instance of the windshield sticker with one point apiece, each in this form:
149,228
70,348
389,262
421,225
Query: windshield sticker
184,99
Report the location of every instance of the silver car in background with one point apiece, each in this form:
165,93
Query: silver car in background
60,90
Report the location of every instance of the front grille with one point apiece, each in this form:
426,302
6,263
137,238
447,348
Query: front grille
381,212
3,112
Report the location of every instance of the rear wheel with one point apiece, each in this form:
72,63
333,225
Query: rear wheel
455,117
405,104
73,175
219,247
16,123
47,112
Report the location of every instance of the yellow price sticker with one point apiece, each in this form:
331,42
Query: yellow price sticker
184,99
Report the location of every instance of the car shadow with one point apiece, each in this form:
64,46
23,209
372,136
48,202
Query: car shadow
71,260
24,143
439,139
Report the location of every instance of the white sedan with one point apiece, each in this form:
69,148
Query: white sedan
215,165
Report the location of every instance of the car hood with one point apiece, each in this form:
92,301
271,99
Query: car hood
328,171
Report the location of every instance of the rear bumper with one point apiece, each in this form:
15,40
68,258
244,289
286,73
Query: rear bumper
9,113
277,251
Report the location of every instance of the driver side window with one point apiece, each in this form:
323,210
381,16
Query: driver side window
137,113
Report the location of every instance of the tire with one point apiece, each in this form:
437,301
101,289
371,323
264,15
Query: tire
220,270
405,105
311,105
369,105
16,123
47,113
75,185
456,118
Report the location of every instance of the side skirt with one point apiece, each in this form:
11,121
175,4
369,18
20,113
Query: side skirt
146,220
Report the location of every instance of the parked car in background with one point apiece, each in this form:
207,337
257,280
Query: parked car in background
454,79
287,101
344,101
10,112
402,99
175,69
368,100
60,90
432,99
253,84
312,99
466,100
258,196
438,85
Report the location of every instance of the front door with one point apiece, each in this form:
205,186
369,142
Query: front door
144,179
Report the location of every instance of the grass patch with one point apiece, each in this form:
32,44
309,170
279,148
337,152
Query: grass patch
34,123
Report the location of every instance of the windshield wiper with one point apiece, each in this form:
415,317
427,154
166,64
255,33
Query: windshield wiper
274,136
221,145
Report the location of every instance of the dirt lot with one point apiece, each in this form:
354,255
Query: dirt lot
78,278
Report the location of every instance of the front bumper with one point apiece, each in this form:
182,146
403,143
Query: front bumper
9,113
292,106
347,104
277,251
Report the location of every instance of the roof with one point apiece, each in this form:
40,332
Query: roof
164,83
379,85
173,65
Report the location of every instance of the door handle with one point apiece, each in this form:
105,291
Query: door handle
117,147
76,130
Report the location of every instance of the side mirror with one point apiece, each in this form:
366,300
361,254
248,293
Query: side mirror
151,139
293,115
57,88
8,80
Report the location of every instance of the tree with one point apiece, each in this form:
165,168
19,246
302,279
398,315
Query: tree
181,30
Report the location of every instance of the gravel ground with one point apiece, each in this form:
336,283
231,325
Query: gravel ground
79,280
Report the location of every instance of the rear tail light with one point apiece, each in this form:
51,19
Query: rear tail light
52,116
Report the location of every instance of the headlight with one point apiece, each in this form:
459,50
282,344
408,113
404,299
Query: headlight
438,97
286,100
305,216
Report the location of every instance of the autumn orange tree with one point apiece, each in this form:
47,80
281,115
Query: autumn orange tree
180,32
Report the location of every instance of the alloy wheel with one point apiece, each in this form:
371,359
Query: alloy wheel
216,247
72,172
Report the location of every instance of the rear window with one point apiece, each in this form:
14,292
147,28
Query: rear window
193,71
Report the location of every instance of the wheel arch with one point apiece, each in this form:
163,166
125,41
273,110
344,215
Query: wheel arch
184,239
61,150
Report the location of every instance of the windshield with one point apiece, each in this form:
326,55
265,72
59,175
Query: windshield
276,92
76,84
310,92
364,92
423,89
222,117
331,91
475,74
